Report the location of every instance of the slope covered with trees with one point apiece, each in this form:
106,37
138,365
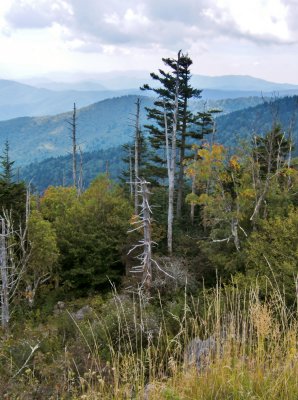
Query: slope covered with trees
100,126
204,298
57,171
241,124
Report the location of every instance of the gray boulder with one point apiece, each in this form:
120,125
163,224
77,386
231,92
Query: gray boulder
82,312
199,353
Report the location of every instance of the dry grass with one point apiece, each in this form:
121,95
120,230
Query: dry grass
257,358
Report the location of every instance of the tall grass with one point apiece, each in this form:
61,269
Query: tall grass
256,358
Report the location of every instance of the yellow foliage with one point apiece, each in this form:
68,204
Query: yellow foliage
234,163
204,198
247,193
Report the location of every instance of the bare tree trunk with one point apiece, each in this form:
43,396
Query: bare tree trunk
260,197
181,161
4,278
234,230
166,136
130,174
73,127
80,181
137,153
171,171
144,223
14,255
193,191
147,270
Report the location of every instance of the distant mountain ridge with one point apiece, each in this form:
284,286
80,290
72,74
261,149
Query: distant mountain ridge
231,128
21,99
116,80
240,83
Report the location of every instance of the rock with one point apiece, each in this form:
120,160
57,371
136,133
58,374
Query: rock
199,352
149,388
82,312
59,307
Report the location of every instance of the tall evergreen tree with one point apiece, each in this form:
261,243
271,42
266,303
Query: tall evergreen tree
190,127
174,129
161,114
12,194
7,165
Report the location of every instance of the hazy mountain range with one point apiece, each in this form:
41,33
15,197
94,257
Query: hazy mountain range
105,120
18,100
117,80
109,123
45,97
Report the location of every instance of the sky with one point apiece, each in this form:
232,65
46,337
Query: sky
70,38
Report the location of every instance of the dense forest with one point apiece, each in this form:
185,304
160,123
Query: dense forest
172,274
57,171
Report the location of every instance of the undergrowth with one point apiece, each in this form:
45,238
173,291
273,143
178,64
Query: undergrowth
135,347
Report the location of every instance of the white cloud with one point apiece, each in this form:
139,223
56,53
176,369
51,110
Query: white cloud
38,13
220,35
149,23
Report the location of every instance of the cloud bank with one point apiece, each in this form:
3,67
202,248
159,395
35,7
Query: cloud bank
116,25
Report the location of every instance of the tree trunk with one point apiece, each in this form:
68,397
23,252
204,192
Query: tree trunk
193,190
74,146
4,278
147,269
137,154
130,174
263,190
181,161
171,170
80,181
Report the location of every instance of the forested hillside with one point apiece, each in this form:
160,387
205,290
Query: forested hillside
57,171
99,126
178,281
231,129
108,123
226,105
258,120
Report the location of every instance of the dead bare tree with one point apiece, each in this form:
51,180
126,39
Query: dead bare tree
143,223
262,184
14,256
137,152
73,136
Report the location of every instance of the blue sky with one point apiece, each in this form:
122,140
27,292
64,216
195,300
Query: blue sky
253,37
